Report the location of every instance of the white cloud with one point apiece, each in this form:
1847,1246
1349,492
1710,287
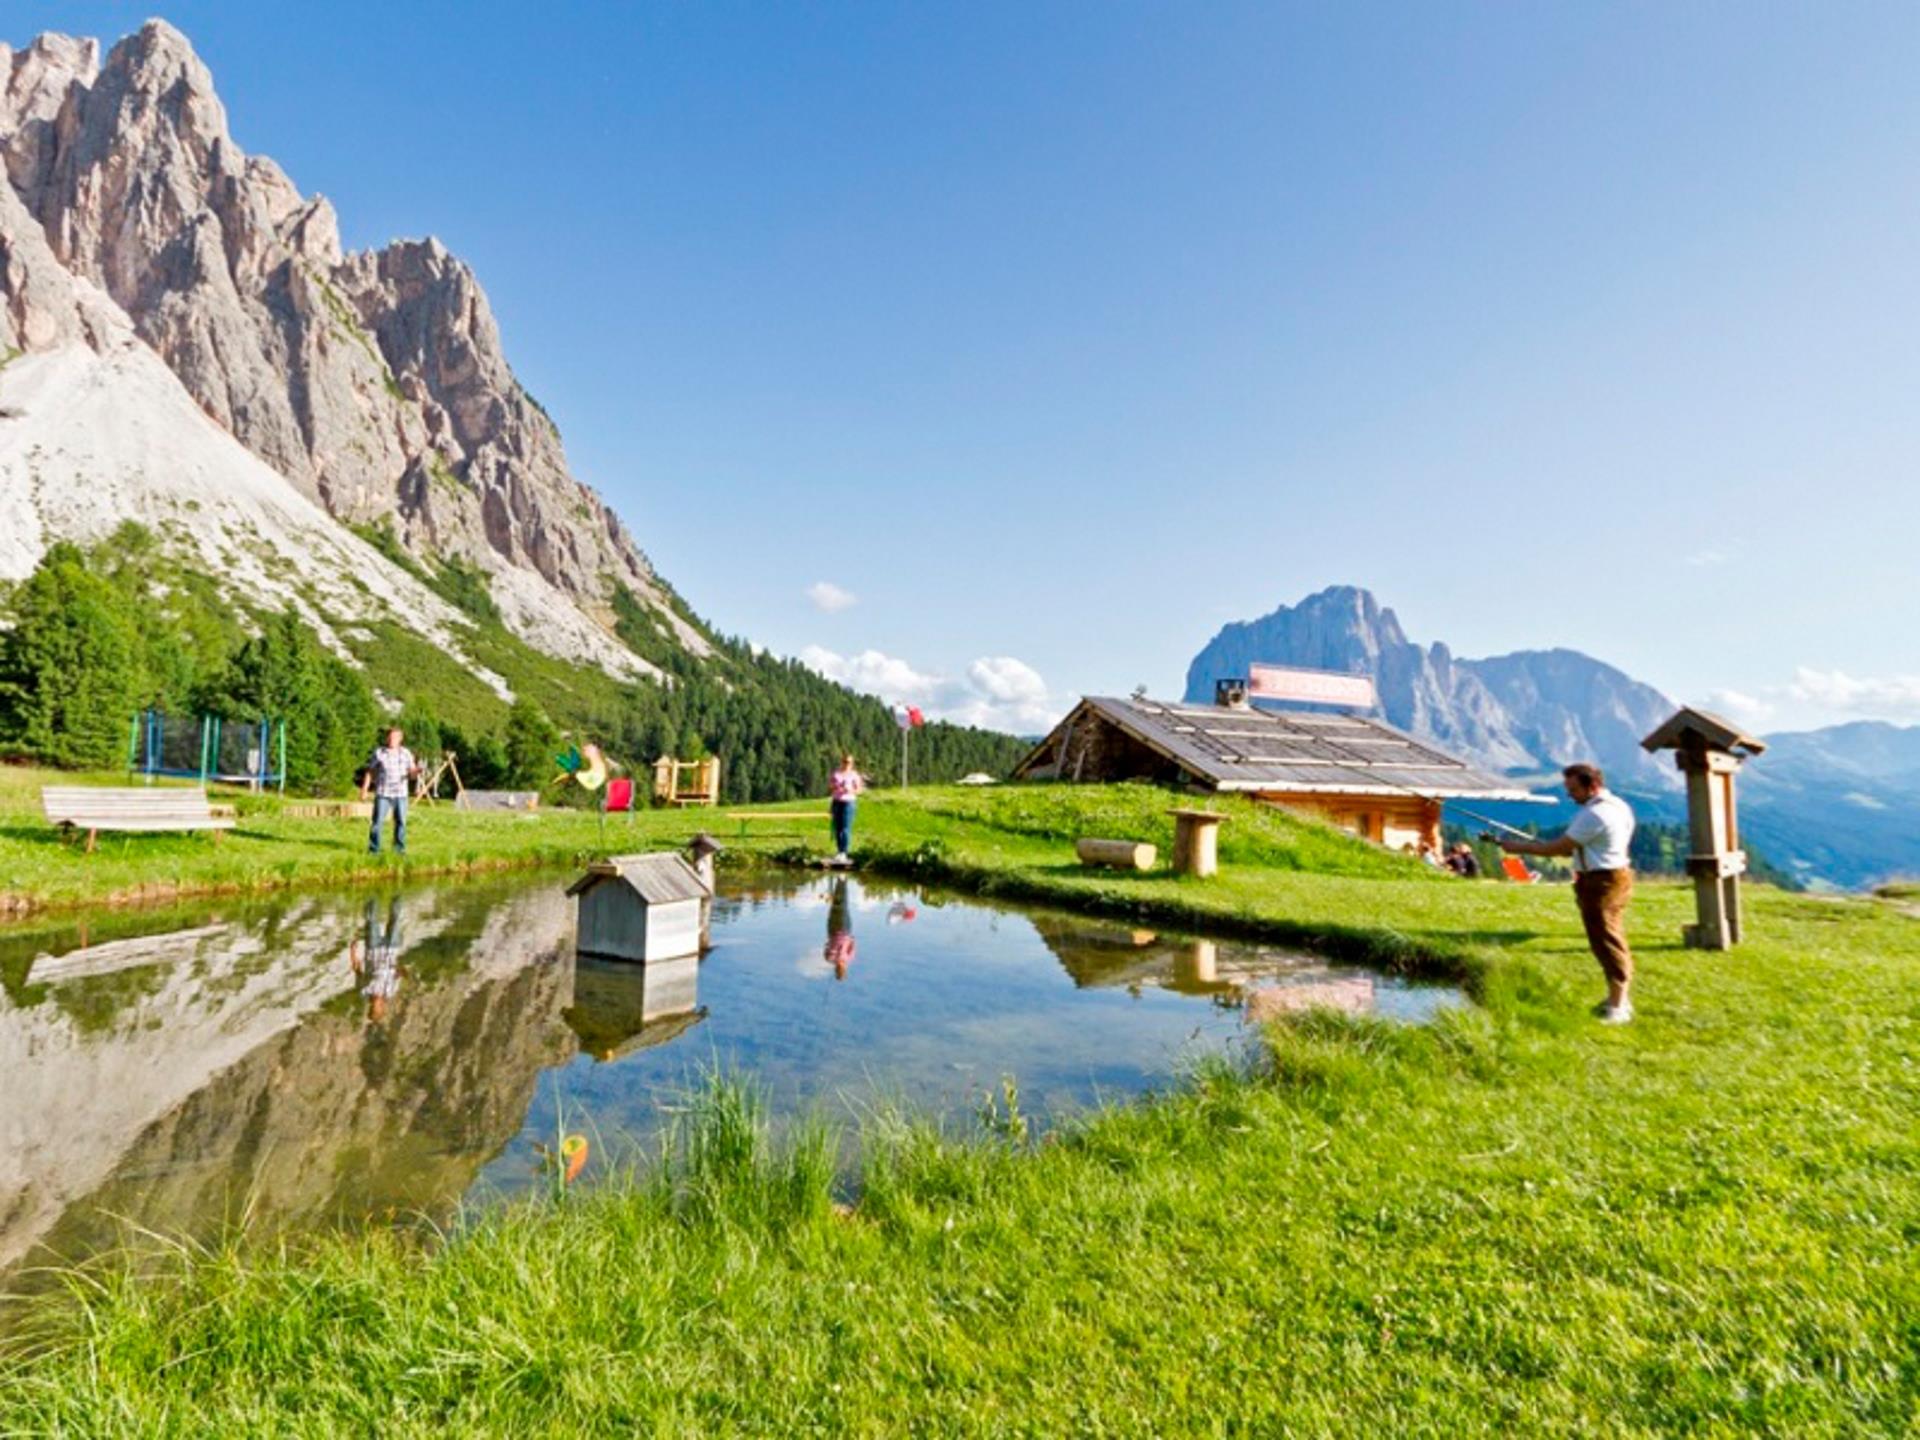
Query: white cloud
1711,557
872,672
1821,697
1883,697
996,691
830,597
1737,705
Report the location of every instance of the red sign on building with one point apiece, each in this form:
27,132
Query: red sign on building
1317,687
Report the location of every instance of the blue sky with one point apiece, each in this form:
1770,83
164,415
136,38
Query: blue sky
1055,336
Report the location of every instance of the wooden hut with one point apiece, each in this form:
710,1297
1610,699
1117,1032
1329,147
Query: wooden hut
640,907
1350,770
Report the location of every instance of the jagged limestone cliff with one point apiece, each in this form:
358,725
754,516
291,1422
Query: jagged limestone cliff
375,384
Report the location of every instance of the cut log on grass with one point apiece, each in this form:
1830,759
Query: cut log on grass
1116,854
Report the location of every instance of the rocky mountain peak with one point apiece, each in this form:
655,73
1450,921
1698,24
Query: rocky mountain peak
376,383
1529,711
39,75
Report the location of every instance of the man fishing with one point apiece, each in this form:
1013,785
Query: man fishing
1596,841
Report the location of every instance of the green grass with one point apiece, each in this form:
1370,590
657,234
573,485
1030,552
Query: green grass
1512,1221
270,850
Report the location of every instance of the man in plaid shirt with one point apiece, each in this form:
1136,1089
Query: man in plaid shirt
388,779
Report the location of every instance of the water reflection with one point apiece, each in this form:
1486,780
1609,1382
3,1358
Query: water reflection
1263,981
839,949
321,1060
618,1007
377,960
178,1081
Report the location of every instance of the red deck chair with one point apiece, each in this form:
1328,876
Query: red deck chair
1516,870
615,798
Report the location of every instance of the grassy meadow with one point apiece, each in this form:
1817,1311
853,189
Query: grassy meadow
270,849
1510,1221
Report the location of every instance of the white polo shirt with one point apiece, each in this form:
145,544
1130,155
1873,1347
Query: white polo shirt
1602,829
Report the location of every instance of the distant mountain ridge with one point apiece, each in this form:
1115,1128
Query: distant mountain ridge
1834,805
1529,712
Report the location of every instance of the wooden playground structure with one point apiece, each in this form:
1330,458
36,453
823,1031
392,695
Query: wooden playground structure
426,788
675,783
686,782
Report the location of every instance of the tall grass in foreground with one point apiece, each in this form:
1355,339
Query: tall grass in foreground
1508,1222
1372,1229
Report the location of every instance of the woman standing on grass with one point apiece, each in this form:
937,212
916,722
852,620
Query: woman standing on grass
844,788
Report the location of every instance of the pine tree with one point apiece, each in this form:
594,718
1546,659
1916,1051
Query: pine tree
70,665
532,740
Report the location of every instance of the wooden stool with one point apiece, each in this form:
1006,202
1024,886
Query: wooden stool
1196,842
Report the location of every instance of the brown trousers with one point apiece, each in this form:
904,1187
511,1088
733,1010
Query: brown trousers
1603,896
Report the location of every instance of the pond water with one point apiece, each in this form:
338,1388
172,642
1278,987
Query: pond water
323,1059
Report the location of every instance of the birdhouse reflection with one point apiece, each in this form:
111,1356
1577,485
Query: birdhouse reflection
620,1008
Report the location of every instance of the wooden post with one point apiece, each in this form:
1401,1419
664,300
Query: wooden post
703,849
1715,861
1709,752
1196,842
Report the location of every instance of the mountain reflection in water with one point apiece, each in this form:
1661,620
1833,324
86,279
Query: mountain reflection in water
329,1059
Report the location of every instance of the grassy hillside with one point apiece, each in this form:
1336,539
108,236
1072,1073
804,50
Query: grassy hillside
1510,1222
97,634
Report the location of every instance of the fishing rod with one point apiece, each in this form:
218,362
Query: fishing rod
1496,824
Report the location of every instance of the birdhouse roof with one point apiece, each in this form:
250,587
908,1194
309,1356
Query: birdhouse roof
657,879
1713,731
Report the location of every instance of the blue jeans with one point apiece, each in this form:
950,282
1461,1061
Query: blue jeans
382,804
843,826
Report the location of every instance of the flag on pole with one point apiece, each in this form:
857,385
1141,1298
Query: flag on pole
908,717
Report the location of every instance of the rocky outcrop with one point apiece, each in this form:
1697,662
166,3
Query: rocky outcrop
1343,628
1563,705
376,383
1530,711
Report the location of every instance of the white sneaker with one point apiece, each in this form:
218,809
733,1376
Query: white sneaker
1617,1014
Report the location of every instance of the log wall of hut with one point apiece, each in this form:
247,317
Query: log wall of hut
1095,752
1399,822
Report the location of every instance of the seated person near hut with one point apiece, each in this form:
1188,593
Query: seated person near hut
1463,862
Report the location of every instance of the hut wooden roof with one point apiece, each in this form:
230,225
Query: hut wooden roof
1309,752
657,879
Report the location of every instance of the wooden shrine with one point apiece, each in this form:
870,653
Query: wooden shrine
686,782
1710,752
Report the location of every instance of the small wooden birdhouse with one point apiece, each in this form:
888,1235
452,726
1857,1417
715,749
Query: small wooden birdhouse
1710,752
640,908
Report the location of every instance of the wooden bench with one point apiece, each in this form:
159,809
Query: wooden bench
94,808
